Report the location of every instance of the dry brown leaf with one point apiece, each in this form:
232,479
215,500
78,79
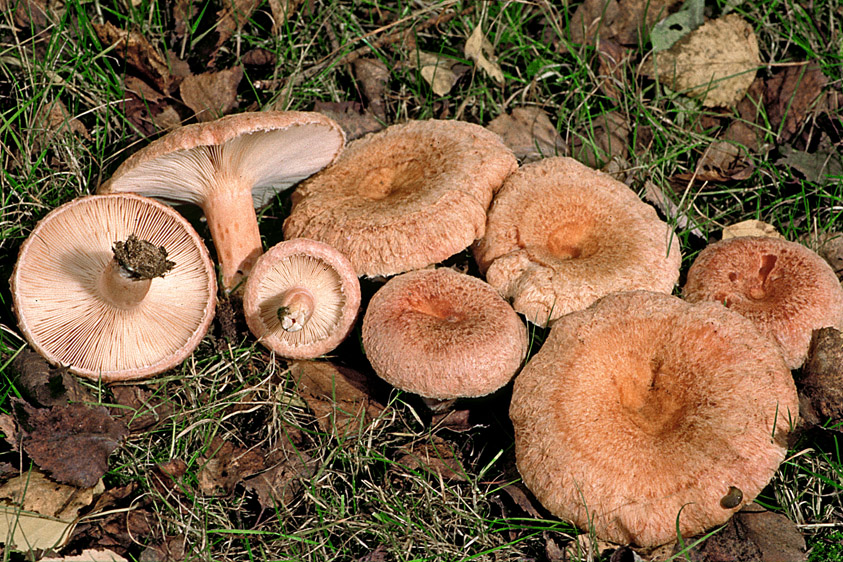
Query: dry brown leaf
436,456
45,385
436,71
231,19
789,95
35,14
529,132
523,499
54,121
282,10
620,20
138,408
340,398
612,56
70,442
716,62
355,121
656,195
373,75
481,51
37,513
750,228
166,478
139,53
168,549
227,465
281,483
606,137
148,109
211,94
89,555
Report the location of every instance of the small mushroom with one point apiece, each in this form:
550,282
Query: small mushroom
301,299
404,198
560,235
116,287
229,167
787,290
644,415
443,335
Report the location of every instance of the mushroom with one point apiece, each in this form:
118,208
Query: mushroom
443,335
301,299
644,414
229,167
787,290
560,235
404,198
116,287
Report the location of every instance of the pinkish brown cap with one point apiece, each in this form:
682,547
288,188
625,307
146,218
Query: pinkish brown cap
77,307
443,334
301,299
561,235
787,290
406,197
229,167
645,414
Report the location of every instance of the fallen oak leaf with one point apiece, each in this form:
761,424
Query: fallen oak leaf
37,513
436,456
46,385
340,398
139,53
226,466
70,442
481,51
529,133
789,95
211,94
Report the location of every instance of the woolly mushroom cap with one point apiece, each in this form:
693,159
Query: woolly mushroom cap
228,167
787,290
301,299
406,197
561,235
116,287
644,409
443,334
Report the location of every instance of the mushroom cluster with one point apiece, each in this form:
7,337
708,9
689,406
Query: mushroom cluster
117,286
641,415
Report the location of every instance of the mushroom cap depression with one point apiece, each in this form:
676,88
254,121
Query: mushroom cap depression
787,290
443,334
561,235
317,277
59,300
229,167
644,409
404,198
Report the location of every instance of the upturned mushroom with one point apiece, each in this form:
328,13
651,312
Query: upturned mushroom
787,290
644,415
443,335
404,198
229,167
302,298
116,287
560,235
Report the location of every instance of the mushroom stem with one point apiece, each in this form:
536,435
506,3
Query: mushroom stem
118,287
234,227
296,309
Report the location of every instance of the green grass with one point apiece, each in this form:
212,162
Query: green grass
358,499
